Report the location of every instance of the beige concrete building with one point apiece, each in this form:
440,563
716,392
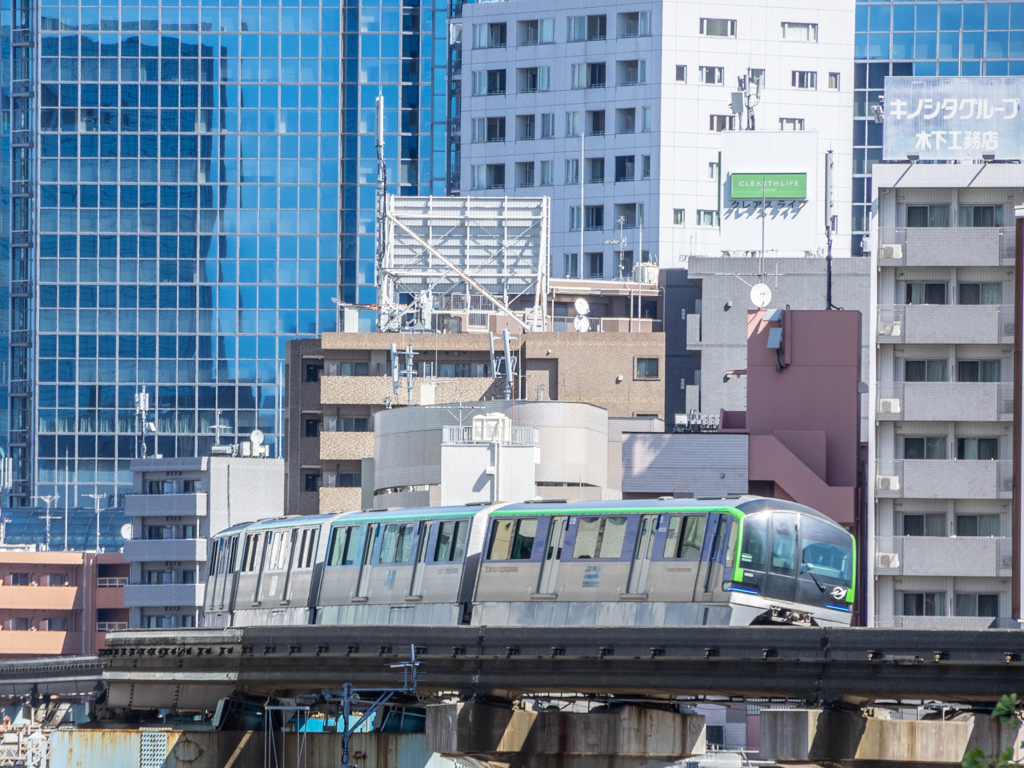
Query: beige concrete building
338,382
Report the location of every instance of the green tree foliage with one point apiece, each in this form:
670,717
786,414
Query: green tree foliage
1007,711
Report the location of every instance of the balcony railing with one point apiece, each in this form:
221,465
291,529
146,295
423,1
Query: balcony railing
464,436
955,556
945,246
944,478
112,581
111,626
933,622
946,323
944,400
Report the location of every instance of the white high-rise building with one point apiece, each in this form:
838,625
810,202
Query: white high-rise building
617,112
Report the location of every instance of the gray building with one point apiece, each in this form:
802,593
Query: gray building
943,451
174,507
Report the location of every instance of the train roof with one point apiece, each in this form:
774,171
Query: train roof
420,513
294,521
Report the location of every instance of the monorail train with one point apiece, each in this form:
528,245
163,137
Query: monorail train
677,562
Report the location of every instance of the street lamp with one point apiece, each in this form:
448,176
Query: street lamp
96,499
48,500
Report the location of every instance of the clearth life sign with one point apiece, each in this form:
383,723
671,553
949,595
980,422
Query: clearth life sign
953,118
768,186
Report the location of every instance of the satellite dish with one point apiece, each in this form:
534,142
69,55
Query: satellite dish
126,531
582,306
581,323
256,437
760,295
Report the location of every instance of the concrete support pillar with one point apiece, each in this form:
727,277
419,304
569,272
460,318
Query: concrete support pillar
484,735
846,738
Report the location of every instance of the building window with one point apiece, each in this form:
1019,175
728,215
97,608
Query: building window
977,448
595,122
925,370
720,123
55,625
977,525
712,75
312,482
718,27
645,166
707,218
927,215
588,28
524,174
526,127
572,124
313,372
713,170
647,367
680,73
490,35
20,580
807,33
547,172
572,173
20,624
536,31
312,427
833,81
924,603
985,605
679,217
933,448
808,80
547,125
589,75
595,264
595,170
55,580
571,262
593,216
980,293
533,79
791,123
930,524
625,120
635,24
489,82
625,168
979,370
981,215
646,119
632,72
926,293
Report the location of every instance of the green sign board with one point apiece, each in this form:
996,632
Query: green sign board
770,186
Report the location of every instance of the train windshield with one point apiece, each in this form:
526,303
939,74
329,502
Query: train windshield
826,552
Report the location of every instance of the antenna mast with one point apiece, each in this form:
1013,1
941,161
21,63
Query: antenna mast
831,222
383,279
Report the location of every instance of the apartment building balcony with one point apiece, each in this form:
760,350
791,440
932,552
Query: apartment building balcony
340,499
373,390
944,401
945,324
933,622
165,504
345,446
159,595
34,643
160,550
968,556
943,479
38,598
110,592
946,246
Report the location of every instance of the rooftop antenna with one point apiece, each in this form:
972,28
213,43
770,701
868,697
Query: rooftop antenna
831,224
397,373
746,98
383,302
142,416
48,500
506,343
621,242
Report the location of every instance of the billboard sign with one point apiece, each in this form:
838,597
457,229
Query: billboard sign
953,118
770,186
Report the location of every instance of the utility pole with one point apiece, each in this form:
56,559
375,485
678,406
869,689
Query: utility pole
831,224
96,500
621,242
48,500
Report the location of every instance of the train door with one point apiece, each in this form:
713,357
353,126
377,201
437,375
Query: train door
642,554
416,583
552,555
718,533
363,586
781,580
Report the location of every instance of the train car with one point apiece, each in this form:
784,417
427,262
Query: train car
222,576
739,561
414,566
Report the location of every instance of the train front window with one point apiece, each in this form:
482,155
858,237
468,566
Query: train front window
451,541
512,539
755,535
783,544
825,552
396,544
685,537
599,538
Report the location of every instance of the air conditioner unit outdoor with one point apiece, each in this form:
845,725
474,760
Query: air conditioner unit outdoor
888,483
890,252
887,560
888,405
889,329
330,480
334,368
332,425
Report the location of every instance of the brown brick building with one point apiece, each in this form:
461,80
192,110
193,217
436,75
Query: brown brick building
336,384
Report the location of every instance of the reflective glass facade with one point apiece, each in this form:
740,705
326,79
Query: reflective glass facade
924,39
197,184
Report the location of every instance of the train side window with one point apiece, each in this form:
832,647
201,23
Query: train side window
512,539
251,552
685,537
753,549
451,541
783,544
280,550
599,538
343,546
306,548
396,544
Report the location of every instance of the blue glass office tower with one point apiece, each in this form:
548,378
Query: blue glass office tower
925,39
186,184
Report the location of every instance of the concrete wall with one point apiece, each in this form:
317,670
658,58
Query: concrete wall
684,465
467,476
